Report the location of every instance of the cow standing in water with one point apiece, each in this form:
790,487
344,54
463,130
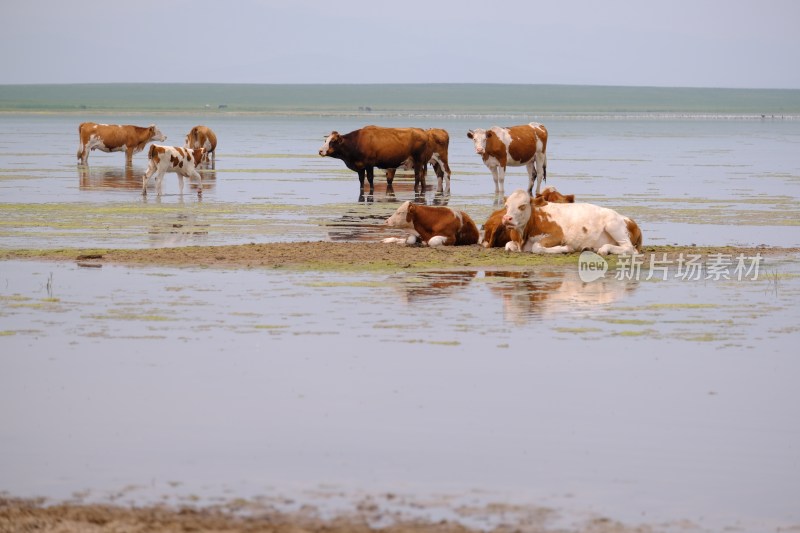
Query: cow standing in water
181,161
203,137
514,146
388,148
438,145
115,138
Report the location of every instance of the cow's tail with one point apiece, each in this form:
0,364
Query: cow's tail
634,233
152,152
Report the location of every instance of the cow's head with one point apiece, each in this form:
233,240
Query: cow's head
479,136
402,217
155,134
331,144
518,210
550,194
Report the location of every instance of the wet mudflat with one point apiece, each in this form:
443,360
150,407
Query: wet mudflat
429,389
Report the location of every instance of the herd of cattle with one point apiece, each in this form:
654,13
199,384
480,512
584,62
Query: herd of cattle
544,222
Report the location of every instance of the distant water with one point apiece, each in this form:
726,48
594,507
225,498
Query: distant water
401,99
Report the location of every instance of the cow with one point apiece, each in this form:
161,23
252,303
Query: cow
543,227
373,146
115,138
496,235
438,144
514,146
435,226
203,137
182,161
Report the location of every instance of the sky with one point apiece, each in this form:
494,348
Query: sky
679,43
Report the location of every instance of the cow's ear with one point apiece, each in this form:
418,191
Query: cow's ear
470,135
409,211
570,198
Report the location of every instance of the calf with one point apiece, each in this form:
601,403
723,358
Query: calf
543,227
372,146
114,138
182,161
496,235
203,137
435,226
514,146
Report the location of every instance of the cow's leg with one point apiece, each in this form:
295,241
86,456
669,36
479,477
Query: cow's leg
180,182
199,177
440,240
531,168
390,172
147,174
618,231
499,179
129,157
82,154
539,170
159,181
371,179
419,177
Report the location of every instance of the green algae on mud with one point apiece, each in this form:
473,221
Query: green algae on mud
357,256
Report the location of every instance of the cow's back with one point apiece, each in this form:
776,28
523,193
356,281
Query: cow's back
468,233
390,147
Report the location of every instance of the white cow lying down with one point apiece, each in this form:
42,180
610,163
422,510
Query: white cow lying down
541,227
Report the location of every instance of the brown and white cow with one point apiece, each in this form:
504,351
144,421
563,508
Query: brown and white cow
514,146
181,161
496,235
435,226
203,137
115,138
438,145
373,146
543,227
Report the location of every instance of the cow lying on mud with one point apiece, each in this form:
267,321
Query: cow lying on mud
434,226
496,235
542,227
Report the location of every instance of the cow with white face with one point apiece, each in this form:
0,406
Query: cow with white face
514,146
542,227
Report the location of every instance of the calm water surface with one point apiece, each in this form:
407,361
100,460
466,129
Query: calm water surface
646,401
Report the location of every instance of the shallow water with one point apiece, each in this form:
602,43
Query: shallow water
708,182
646,401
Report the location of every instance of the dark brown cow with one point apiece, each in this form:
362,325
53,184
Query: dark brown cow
203,137
115,138
373,146
435,226
496,235
514,146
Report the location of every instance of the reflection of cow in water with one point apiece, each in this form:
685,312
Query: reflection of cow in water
528,295
431,285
